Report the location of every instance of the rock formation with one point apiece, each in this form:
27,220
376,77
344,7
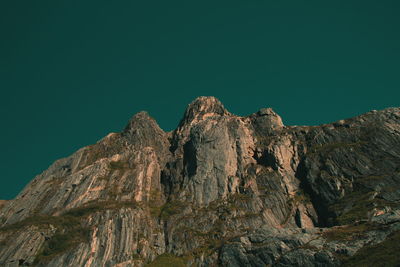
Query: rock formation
220,190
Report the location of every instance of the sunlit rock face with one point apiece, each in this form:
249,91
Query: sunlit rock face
219,190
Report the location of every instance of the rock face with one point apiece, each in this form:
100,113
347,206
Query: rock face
220,190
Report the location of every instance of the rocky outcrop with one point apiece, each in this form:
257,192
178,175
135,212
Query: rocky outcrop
219,190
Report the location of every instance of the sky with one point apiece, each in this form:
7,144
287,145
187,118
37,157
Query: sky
73,71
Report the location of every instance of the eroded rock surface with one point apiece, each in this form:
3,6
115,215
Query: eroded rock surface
220,190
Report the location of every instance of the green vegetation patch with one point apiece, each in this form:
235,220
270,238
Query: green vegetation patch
209,247
95,206
70,231
237,202
210,237
167,259
65,238
172,208
3,243
69,228
155,203
358,206
332,146
164,211
385,253
119,165
348,232
37,220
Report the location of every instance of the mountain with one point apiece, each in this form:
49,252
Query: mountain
220,190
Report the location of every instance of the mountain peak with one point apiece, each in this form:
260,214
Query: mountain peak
140,120
202,107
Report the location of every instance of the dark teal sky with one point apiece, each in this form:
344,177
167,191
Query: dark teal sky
73,71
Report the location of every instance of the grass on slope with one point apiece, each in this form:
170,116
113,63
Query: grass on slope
167,259
385,253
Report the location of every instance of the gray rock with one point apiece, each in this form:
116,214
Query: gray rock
219,190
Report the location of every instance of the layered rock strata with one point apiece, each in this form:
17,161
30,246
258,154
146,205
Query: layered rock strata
220,190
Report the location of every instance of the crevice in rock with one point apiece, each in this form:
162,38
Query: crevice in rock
189,158
173,142
266,159
166,237
297,218
321,209
165,181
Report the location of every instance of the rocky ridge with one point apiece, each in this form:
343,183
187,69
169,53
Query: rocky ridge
220,190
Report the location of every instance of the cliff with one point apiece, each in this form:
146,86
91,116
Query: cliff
220,190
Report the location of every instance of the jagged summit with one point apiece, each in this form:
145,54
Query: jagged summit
203,107
220,190
143,131
206,104
140,120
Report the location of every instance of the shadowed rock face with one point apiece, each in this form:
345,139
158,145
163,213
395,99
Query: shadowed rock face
220,190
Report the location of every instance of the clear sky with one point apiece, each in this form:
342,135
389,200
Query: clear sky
73,71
